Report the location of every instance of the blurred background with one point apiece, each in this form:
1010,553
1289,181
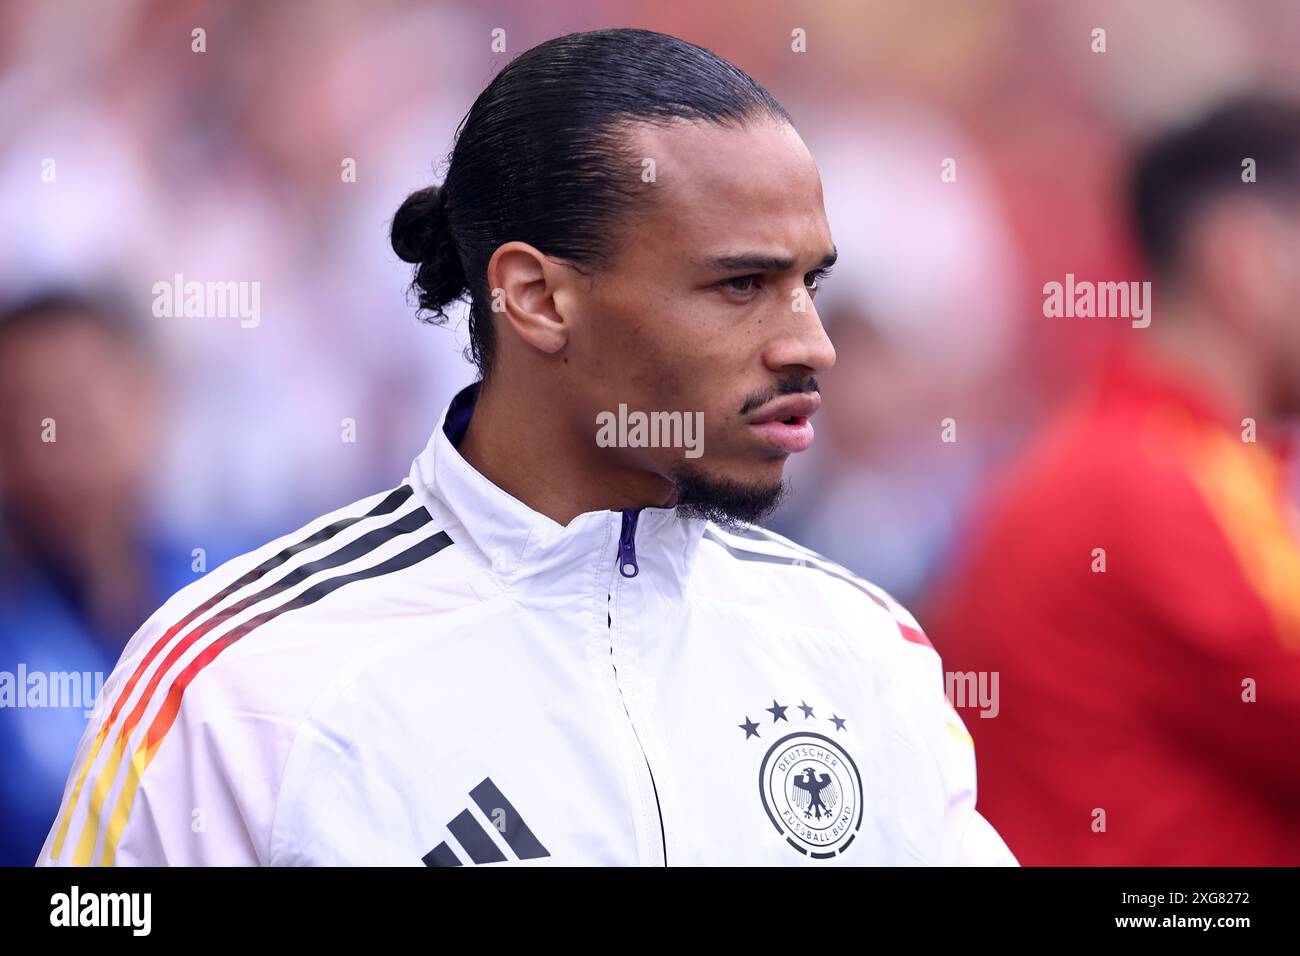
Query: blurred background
127,159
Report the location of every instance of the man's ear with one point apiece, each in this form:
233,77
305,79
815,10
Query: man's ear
522,282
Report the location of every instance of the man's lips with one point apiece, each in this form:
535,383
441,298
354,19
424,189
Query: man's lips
784,423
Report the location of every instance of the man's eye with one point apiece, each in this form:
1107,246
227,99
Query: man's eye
742,283
813,280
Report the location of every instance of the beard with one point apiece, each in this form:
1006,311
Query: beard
723,501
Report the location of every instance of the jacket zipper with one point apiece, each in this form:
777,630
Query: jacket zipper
627,567
627,545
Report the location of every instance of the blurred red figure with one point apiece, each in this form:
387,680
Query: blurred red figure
1134,579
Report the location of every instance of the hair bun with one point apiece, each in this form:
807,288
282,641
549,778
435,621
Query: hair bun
422,235
415,223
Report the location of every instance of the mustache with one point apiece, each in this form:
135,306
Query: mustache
792,385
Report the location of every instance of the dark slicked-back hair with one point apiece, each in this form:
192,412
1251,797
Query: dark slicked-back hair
1175,175
542,157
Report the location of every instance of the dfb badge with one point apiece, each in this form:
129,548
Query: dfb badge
810,786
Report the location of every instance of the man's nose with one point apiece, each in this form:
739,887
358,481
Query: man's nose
800,340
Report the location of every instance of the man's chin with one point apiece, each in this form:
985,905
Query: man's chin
726,501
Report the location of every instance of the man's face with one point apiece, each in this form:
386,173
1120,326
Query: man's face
99,401
707,308
1245,264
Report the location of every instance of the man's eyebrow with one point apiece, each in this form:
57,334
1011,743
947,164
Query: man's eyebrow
758,262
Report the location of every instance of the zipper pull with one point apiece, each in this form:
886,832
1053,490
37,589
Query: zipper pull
627,545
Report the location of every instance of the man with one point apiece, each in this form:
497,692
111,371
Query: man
81,563
1135,581
560,640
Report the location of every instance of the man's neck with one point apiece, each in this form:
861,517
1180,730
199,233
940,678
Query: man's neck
541,459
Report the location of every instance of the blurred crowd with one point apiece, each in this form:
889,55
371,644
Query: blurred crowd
278,153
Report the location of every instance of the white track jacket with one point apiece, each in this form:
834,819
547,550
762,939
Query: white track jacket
438,675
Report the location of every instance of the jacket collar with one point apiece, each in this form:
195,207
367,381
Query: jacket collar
525,548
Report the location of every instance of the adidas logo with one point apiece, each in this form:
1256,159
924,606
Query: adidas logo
475,840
